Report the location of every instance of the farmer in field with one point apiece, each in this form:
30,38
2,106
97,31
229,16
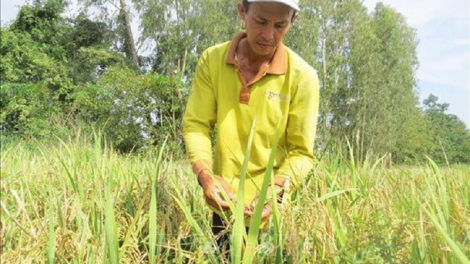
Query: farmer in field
253,76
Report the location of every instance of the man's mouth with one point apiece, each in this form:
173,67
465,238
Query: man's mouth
265,46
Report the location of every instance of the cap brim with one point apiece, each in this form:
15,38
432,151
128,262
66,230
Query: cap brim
288,3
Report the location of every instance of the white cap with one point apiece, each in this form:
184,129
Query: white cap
292,3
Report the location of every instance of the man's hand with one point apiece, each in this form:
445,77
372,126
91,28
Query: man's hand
212,193
267,208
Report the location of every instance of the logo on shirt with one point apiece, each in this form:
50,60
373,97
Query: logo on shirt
273,96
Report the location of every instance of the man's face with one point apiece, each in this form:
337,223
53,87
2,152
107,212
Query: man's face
266,25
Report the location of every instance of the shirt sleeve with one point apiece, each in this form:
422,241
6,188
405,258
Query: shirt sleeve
301,128
200,115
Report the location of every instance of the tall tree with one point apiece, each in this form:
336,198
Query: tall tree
448,135
325,35
129,43
33,47
366,64
45,57
383,73
181,29
117,14
395,95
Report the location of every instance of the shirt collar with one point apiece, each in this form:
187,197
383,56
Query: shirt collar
278,63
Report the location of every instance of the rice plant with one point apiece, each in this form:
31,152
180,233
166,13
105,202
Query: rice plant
73,201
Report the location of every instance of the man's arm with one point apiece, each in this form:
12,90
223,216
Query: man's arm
200,117
198,121
301,130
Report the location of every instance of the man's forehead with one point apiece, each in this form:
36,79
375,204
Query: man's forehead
277,20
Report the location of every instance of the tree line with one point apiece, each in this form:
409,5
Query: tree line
63,73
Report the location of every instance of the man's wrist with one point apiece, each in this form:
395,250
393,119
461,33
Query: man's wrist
202,175
280,181
198,173
198,176
200,167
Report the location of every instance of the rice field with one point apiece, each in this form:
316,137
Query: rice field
78,202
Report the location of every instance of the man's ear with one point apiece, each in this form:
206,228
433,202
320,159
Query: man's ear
241,11
294,17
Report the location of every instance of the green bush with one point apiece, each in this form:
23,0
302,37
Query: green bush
133,110
28,110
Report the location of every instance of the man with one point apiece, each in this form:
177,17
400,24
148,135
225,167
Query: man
252,76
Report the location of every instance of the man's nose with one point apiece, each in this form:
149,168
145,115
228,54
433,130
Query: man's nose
268,33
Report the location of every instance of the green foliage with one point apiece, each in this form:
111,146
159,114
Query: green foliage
27,61
394,100
182,29
366,65
450,136
89,50
133,110
40,45
413,141
43,57
79,72
43,24
28,110
91,62
87,33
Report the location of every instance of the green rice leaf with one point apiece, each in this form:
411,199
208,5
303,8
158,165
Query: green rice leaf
452,244
51,242
110,226
192,222
239,232
255,223
153,207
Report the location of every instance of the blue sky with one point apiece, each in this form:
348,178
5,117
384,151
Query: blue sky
443,51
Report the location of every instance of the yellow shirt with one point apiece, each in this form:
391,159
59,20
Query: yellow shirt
287,92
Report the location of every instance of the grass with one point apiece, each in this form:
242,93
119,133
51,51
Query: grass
75,202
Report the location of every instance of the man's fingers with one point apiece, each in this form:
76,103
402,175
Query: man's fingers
222,203
228,192
265,214
213,193
267,210
248,211
219,200
218,204
254,203
226,188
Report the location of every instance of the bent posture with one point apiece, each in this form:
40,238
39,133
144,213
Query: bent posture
253,76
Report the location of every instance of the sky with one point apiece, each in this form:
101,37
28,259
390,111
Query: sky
443,51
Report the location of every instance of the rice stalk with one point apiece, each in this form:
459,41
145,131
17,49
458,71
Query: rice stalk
239,232
51,242
153,224
110,226
452,244
193,224
255,222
